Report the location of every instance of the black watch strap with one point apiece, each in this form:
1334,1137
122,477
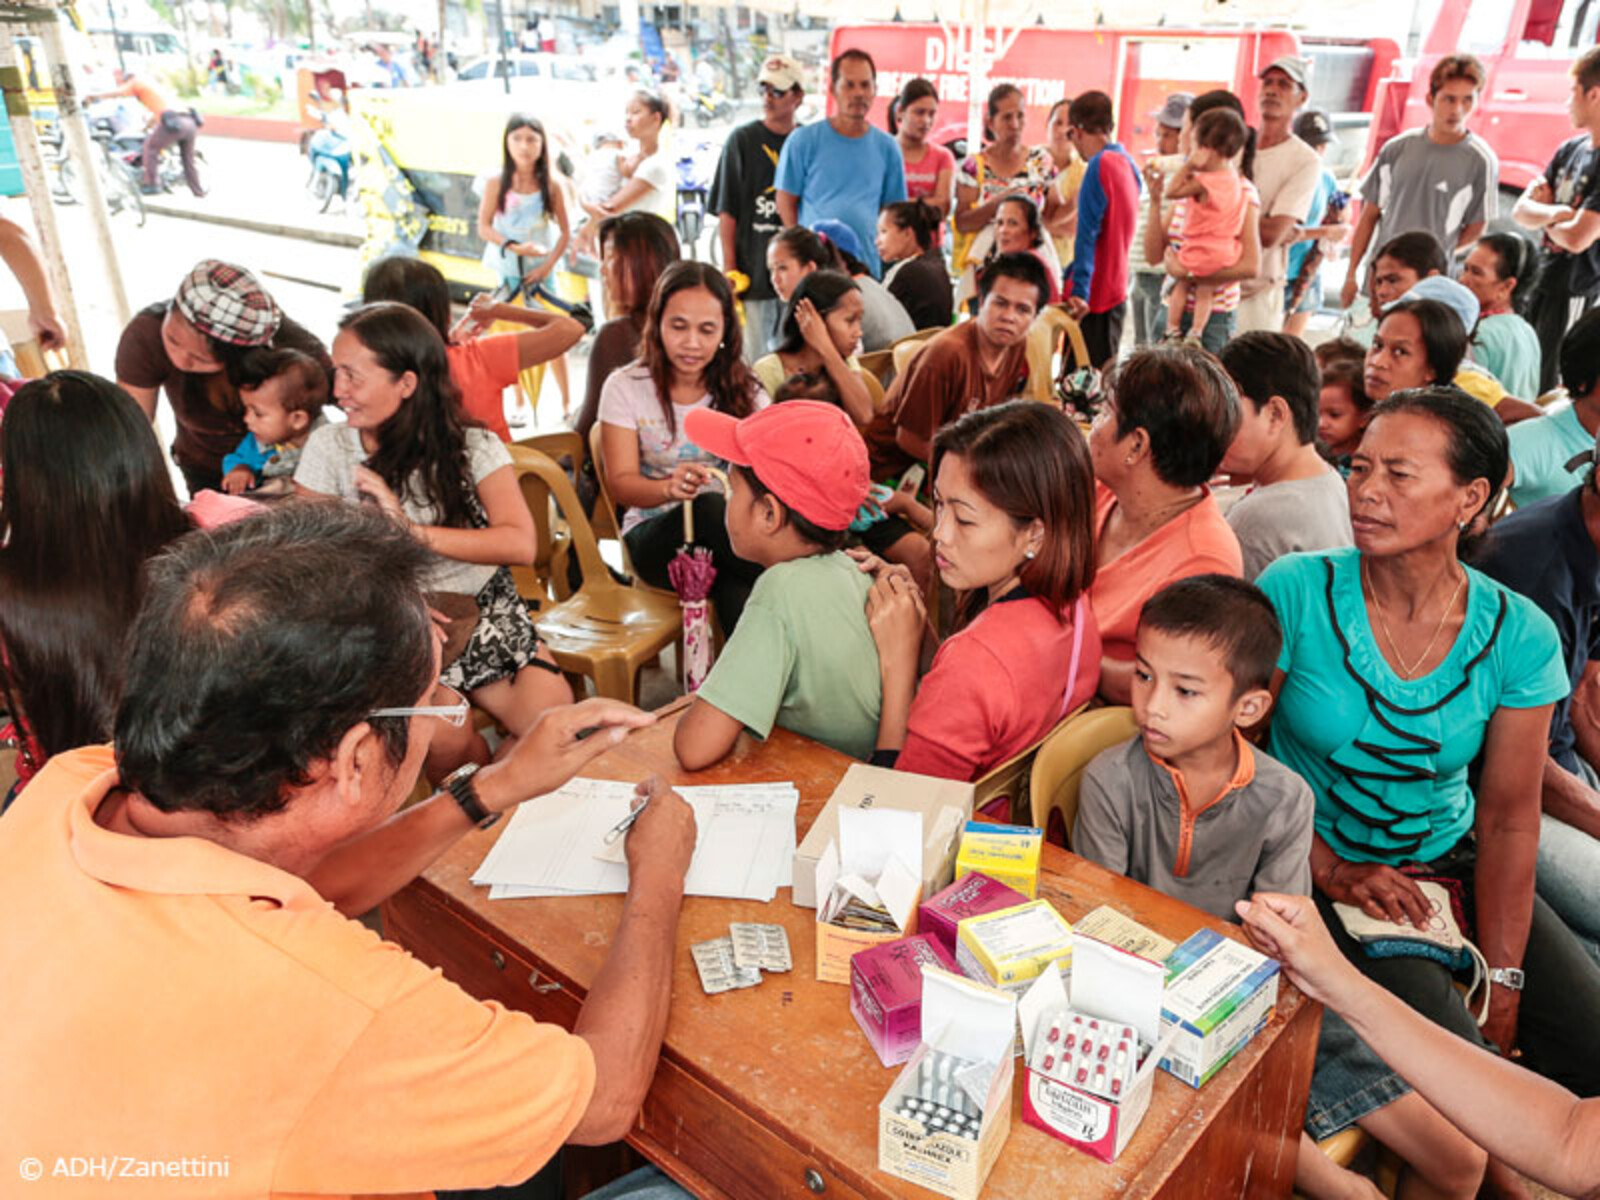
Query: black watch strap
460,785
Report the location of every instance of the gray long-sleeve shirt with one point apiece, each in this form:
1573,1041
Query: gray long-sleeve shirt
1254,836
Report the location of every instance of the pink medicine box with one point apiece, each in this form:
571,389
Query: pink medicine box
886,993
967,897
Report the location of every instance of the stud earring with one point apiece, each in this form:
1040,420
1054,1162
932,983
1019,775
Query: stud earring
1029,554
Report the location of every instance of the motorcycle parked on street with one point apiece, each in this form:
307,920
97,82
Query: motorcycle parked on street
328,151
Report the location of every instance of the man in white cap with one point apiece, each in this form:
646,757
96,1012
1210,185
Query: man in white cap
743,198
1286,173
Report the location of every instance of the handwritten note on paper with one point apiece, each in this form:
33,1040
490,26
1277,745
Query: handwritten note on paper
556,845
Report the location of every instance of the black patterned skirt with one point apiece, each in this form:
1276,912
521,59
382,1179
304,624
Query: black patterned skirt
502,644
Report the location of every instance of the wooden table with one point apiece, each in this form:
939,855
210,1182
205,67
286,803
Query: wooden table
772,1091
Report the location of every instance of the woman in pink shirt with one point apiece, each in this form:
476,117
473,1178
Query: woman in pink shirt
1169,415
930,169
1012,534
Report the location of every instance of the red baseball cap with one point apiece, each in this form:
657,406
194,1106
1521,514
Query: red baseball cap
807,454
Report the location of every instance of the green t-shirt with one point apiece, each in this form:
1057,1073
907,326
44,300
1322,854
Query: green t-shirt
1387,758
1540,451
803,657
1507,347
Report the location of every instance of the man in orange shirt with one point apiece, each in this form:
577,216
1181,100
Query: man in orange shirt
168,124
180,992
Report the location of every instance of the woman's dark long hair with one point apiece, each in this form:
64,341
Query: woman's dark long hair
541,165
914,90
1030,461
1222,98
998,95
407,280
727,380
1030,218
422,449
805,246
1444,341
644,245
87,501
918,216
824,289
1515,257
1478,447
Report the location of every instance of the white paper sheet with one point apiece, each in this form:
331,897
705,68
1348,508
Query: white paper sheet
554,846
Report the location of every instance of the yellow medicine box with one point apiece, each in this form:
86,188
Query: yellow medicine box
1009,948
1008,854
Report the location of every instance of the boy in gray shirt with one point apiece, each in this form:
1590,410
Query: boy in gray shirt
1189,807
1296,500
1440,178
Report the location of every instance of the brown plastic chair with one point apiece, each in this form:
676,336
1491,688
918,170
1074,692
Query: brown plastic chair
546,578
1058,765
605,630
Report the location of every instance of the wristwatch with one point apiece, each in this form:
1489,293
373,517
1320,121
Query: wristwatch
1509,978
459,784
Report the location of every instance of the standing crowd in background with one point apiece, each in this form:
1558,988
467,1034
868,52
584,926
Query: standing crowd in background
1349,596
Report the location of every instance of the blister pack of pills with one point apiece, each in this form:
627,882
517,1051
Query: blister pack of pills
738,960
765,947
943,1099
1098,1056
718,970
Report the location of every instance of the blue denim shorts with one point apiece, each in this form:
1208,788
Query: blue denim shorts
1349,1081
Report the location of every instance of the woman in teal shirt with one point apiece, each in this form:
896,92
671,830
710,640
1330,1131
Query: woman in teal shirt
1400,666
1499,272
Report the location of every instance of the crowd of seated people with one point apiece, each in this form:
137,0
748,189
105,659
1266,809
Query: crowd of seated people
1350,594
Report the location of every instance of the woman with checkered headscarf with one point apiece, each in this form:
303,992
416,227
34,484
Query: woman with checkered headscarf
192,347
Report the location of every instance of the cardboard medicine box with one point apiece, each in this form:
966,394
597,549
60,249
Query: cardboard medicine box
886,993
969,1022
873,865
1008,949
1108,985
1219,994
969,897
944,804
1007,853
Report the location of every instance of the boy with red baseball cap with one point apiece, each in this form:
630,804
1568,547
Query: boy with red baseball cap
803,656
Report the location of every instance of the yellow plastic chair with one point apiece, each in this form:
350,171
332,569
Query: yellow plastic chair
604,519
1058,765
879,364
1011,778
546,577
874,388
605,630
906,348
32,362
1044,337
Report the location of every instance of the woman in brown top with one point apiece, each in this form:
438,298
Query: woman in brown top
191,347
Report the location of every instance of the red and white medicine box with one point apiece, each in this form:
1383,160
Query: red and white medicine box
1091,1060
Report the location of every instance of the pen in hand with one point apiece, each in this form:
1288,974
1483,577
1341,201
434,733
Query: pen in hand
622,826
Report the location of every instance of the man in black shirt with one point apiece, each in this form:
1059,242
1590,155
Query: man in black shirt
743,199
1564,202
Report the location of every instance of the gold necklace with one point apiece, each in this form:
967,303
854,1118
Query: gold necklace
1402,670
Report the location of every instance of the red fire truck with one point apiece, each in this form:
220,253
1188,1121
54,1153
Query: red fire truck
1371,91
